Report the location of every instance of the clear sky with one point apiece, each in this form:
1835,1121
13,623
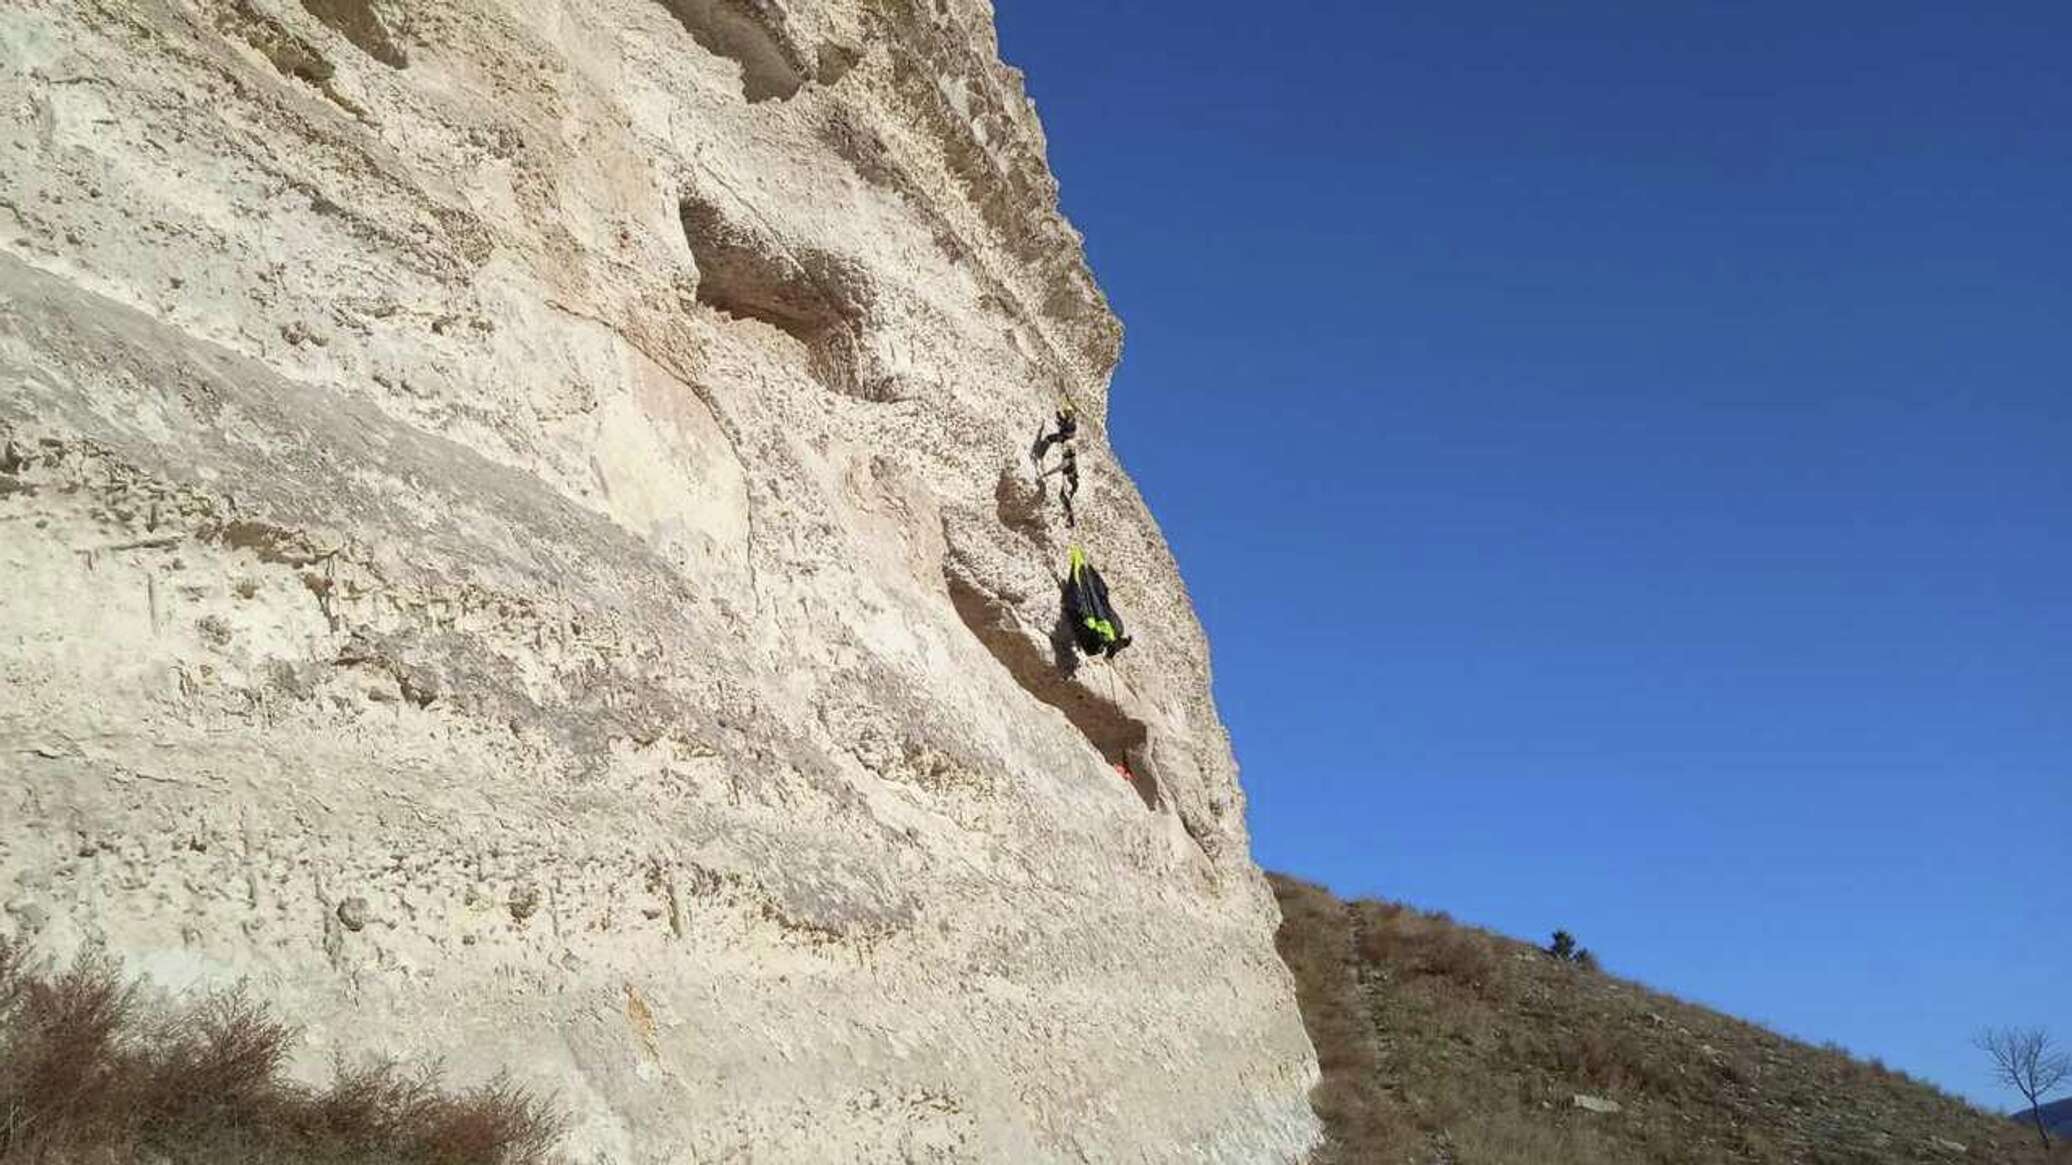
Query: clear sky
1623,456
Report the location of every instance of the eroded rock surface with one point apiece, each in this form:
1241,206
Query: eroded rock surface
517,539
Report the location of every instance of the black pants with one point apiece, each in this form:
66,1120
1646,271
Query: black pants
1070,486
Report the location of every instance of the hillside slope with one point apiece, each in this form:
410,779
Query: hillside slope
520,543
1443,1043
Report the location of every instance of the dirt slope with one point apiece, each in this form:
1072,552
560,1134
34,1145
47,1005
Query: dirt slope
1443,1043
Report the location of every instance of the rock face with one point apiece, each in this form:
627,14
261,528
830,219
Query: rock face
517,539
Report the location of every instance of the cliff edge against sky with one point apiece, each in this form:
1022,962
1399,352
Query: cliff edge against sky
520,544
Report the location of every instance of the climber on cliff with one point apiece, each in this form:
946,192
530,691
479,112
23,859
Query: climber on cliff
1095,625
1068,426
1068,488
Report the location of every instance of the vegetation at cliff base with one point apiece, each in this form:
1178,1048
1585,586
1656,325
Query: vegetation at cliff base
91,1072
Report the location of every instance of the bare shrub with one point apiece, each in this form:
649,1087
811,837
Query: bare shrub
1617,1059
1588,1058
58,1061
1739,1070
90,1074
1416,943
498,1121
1462,956
2026,1060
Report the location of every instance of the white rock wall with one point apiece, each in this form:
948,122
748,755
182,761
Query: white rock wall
517,541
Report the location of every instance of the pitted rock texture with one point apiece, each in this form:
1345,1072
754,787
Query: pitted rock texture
517,540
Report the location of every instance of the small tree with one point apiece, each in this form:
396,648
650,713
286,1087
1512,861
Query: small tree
2025,1060
1563,947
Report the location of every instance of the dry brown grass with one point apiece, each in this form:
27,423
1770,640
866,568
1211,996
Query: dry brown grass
89,1074
1444,1043
1313,944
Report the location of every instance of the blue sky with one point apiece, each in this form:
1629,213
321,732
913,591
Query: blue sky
1623,457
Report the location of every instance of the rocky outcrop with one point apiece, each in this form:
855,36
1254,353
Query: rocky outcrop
519,544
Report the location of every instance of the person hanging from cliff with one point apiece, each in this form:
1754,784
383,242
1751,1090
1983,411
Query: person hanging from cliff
1068,486
1096,627
1068,427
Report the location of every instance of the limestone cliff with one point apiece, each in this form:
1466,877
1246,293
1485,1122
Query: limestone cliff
517,539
